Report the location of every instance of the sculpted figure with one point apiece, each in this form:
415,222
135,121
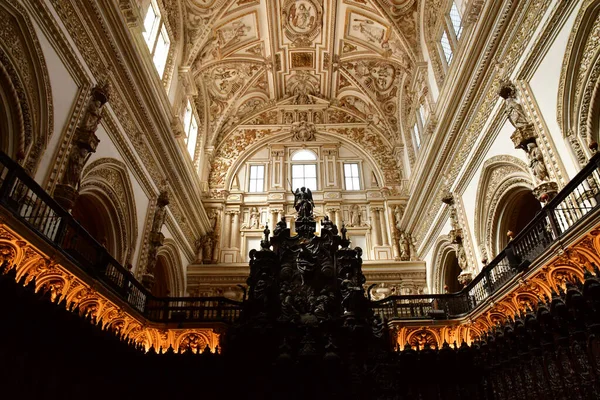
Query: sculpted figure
536,162
93,116
77,159
397,216
355,215
514,110
254,222
303,202
404,247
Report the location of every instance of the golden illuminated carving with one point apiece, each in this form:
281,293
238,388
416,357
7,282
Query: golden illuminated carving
50,276
569,266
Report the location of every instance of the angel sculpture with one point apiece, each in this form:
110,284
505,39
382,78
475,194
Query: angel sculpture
303,203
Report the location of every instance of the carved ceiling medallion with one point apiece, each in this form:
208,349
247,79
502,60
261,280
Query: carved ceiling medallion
302,21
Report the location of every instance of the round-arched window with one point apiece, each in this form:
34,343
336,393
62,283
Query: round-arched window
304,169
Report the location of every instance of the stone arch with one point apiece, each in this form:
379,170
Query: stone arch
443,251
170,259
503,178
246,146
26,111
105,184
579,88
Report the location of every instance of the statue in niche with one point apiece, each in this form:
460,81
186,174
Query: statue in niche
462,256
404,247
289,118
161,211
303,202
355,216
536,162
212,219
317,118
207,249
254,220
398,211
92,116
514,110
77,159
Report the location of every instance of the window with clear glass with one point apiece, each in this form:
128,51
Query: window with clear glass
351,176
451,33
191,129
455,20
257,179
156,38
304,175
417,135
446,48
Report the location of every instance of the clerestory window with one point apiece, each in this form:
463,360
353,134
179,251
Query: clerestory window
451,33
304,169
257,179
156,38
191,130
351,176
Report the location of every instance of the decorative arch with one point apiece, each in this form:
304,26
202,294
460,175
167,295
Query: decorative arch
502,178
579,88
442,250
26,110
229,160
106,183
170,258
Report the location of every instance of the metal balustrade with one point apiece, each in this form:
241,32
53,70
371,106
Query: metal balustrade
27,201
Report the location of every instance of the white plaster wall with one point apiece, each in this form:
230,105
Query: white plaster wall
64,92
184,260
107,149
502,145
544,85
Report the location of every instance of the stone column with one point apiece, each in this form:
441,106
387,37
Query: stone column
84,143
383,224
235,235
375,226
227,230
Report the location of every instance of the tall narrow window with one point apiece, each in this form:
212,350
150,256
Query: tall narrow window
455,20
304,173
446,47
156,37
451,33
191,129
257,179
351,176
417,135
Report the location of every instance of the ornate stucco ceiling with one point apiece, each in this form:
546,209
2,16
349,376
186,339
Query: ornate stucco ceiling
257,62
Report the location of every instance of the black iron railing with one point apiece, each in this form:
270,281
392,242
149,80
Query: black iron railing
26,200
575,201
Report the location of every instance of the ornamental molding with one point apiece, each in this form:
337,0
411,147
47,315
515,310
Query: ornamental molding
542,280
532,14
54,277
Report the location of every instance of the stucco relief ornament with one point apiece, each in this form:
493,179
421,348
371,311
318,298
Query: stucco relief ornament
303,132
302,21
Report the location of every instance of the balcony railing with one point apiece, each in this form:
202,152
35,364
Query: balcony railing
577,200
27,201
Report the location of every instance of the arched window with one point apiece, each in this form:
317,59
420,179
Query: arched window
451,270
190,124
451,32
304,169
156,37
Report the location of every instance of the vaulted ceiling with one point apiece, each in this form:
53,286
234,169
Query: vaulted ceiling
253,62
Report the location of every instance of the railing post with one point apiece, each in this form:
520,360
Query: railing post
7,184
553,224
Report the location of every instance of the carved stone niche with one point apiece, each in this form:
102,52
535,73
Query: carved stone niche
521,137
